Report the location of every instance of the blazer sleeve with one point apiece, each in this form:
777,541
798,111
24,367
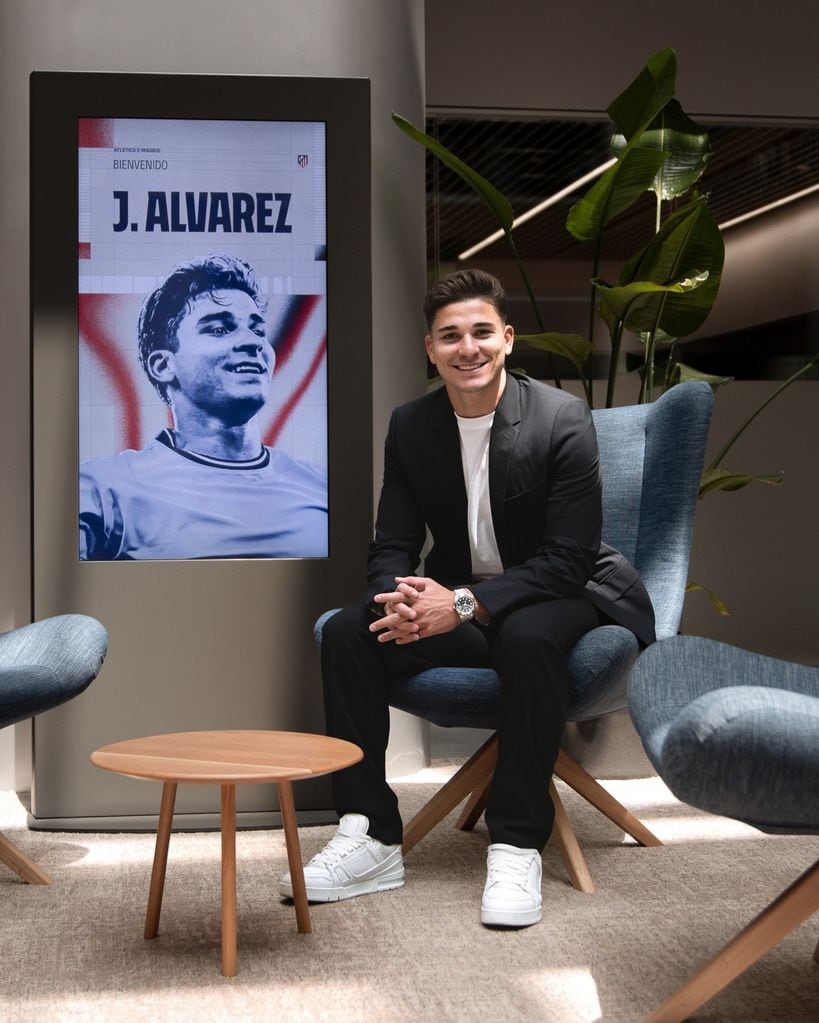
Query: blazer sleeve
561,514
400,529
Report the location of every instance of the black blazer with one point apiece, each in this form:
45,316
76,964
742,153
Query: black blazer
545,495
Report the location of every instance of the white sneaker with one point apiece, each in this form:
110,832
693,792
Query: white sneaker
511,897
352,863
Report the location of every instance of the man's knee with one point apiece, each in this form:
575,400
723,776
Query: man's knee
548,629
339,627
525,647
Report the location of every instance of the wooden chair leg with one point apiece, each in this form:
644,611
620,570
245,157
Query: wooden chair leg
228,880
582,782
163,837
567,845
779,918
474,772
291,839
20,863
475,806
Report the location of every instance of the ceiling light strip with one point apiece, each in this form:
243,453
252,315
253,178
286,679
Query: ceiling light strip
596,173
769,206
541,206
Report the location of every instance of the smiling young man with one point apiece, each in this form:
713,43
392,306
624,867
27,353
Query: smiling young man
207,487
502,471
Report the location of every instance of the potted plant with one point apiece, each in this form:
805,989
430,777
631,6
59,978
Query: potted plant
666,290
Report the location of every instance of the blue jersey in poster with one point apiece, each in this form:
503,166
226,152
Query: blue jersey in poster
163,503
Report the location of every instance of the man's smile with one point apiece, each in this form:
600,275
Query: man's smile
469,367
256,368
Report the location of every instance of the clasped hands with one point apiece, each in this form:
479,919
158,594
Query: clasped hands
417,608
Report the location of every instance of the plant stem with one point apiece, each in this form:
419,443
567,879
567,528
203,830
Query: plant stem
519,261
616,339
648,371
723,451
598,242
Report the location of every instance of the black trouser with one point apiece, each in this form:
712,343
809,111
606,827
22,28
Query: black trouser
528,649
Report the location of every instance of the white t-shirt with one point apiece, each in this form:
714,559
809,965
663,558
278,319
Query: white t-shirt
486,560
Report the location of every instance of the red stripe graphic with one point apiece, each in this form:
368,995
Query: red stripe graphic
94,311
304,306
286,410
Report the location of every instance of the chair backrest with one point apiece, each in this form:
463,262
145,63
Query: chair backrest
651,458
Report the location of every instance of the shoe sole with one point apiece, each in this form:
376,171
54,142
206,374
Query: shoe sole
509,918
371,887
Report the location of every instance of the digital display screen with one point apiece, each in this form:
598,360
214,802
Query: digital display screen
202,307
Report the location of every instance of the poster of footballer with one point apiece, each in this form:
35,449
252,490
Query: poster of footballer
202,329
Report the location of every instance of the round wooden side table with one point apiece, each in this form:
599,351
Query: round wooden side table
227,758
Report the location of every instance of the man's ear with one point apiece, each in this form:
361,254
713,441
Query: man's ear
161,366
509,337
428,346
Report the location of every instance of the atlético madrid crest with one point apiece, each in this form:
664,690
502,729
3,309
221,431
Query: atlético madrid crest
303,159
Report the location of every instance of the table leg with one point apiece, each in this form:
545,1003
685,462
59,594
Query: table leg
291,837
228,880
163,836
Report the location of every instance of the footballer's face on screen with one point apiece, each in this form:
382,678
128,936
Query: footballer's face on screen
223,362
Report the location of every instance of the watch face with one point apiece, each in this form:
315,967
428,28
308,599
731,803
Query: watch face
464,605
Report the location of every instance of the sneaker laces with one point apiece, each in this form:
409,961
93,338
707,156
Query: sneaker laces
509,869
338,847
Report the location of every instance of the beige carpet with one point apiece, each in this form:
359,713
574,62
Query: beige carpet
74,951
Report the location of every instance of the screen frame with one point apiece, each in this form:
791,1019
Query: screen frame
58,99
204,643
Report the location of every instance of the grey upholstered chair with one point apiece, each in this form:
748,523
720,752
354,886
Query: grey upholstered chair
651,459
41,666
737,734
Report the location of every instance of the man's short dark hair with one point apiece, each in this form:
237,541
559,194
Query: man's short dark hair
165,308
462,285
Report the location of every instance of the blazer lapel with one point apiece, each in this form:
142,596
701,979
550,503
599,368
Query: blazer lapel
446,459
505,432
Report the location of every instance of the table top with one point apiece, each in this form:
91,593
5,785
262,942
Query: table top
228,756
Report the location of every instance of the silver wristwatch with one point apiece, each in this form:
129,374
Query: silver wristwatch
464,605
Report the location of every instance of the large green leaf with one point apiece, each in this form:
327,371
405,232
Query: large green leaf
636,304
660,337
688,237
680,373
572,346
717,603
688,242
624,182
686,144
726,479
674,372
640,102
620,187
497,203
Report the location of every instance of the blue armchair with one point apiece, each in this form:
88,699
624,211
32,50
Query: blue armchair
737,734
651,459
41,666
